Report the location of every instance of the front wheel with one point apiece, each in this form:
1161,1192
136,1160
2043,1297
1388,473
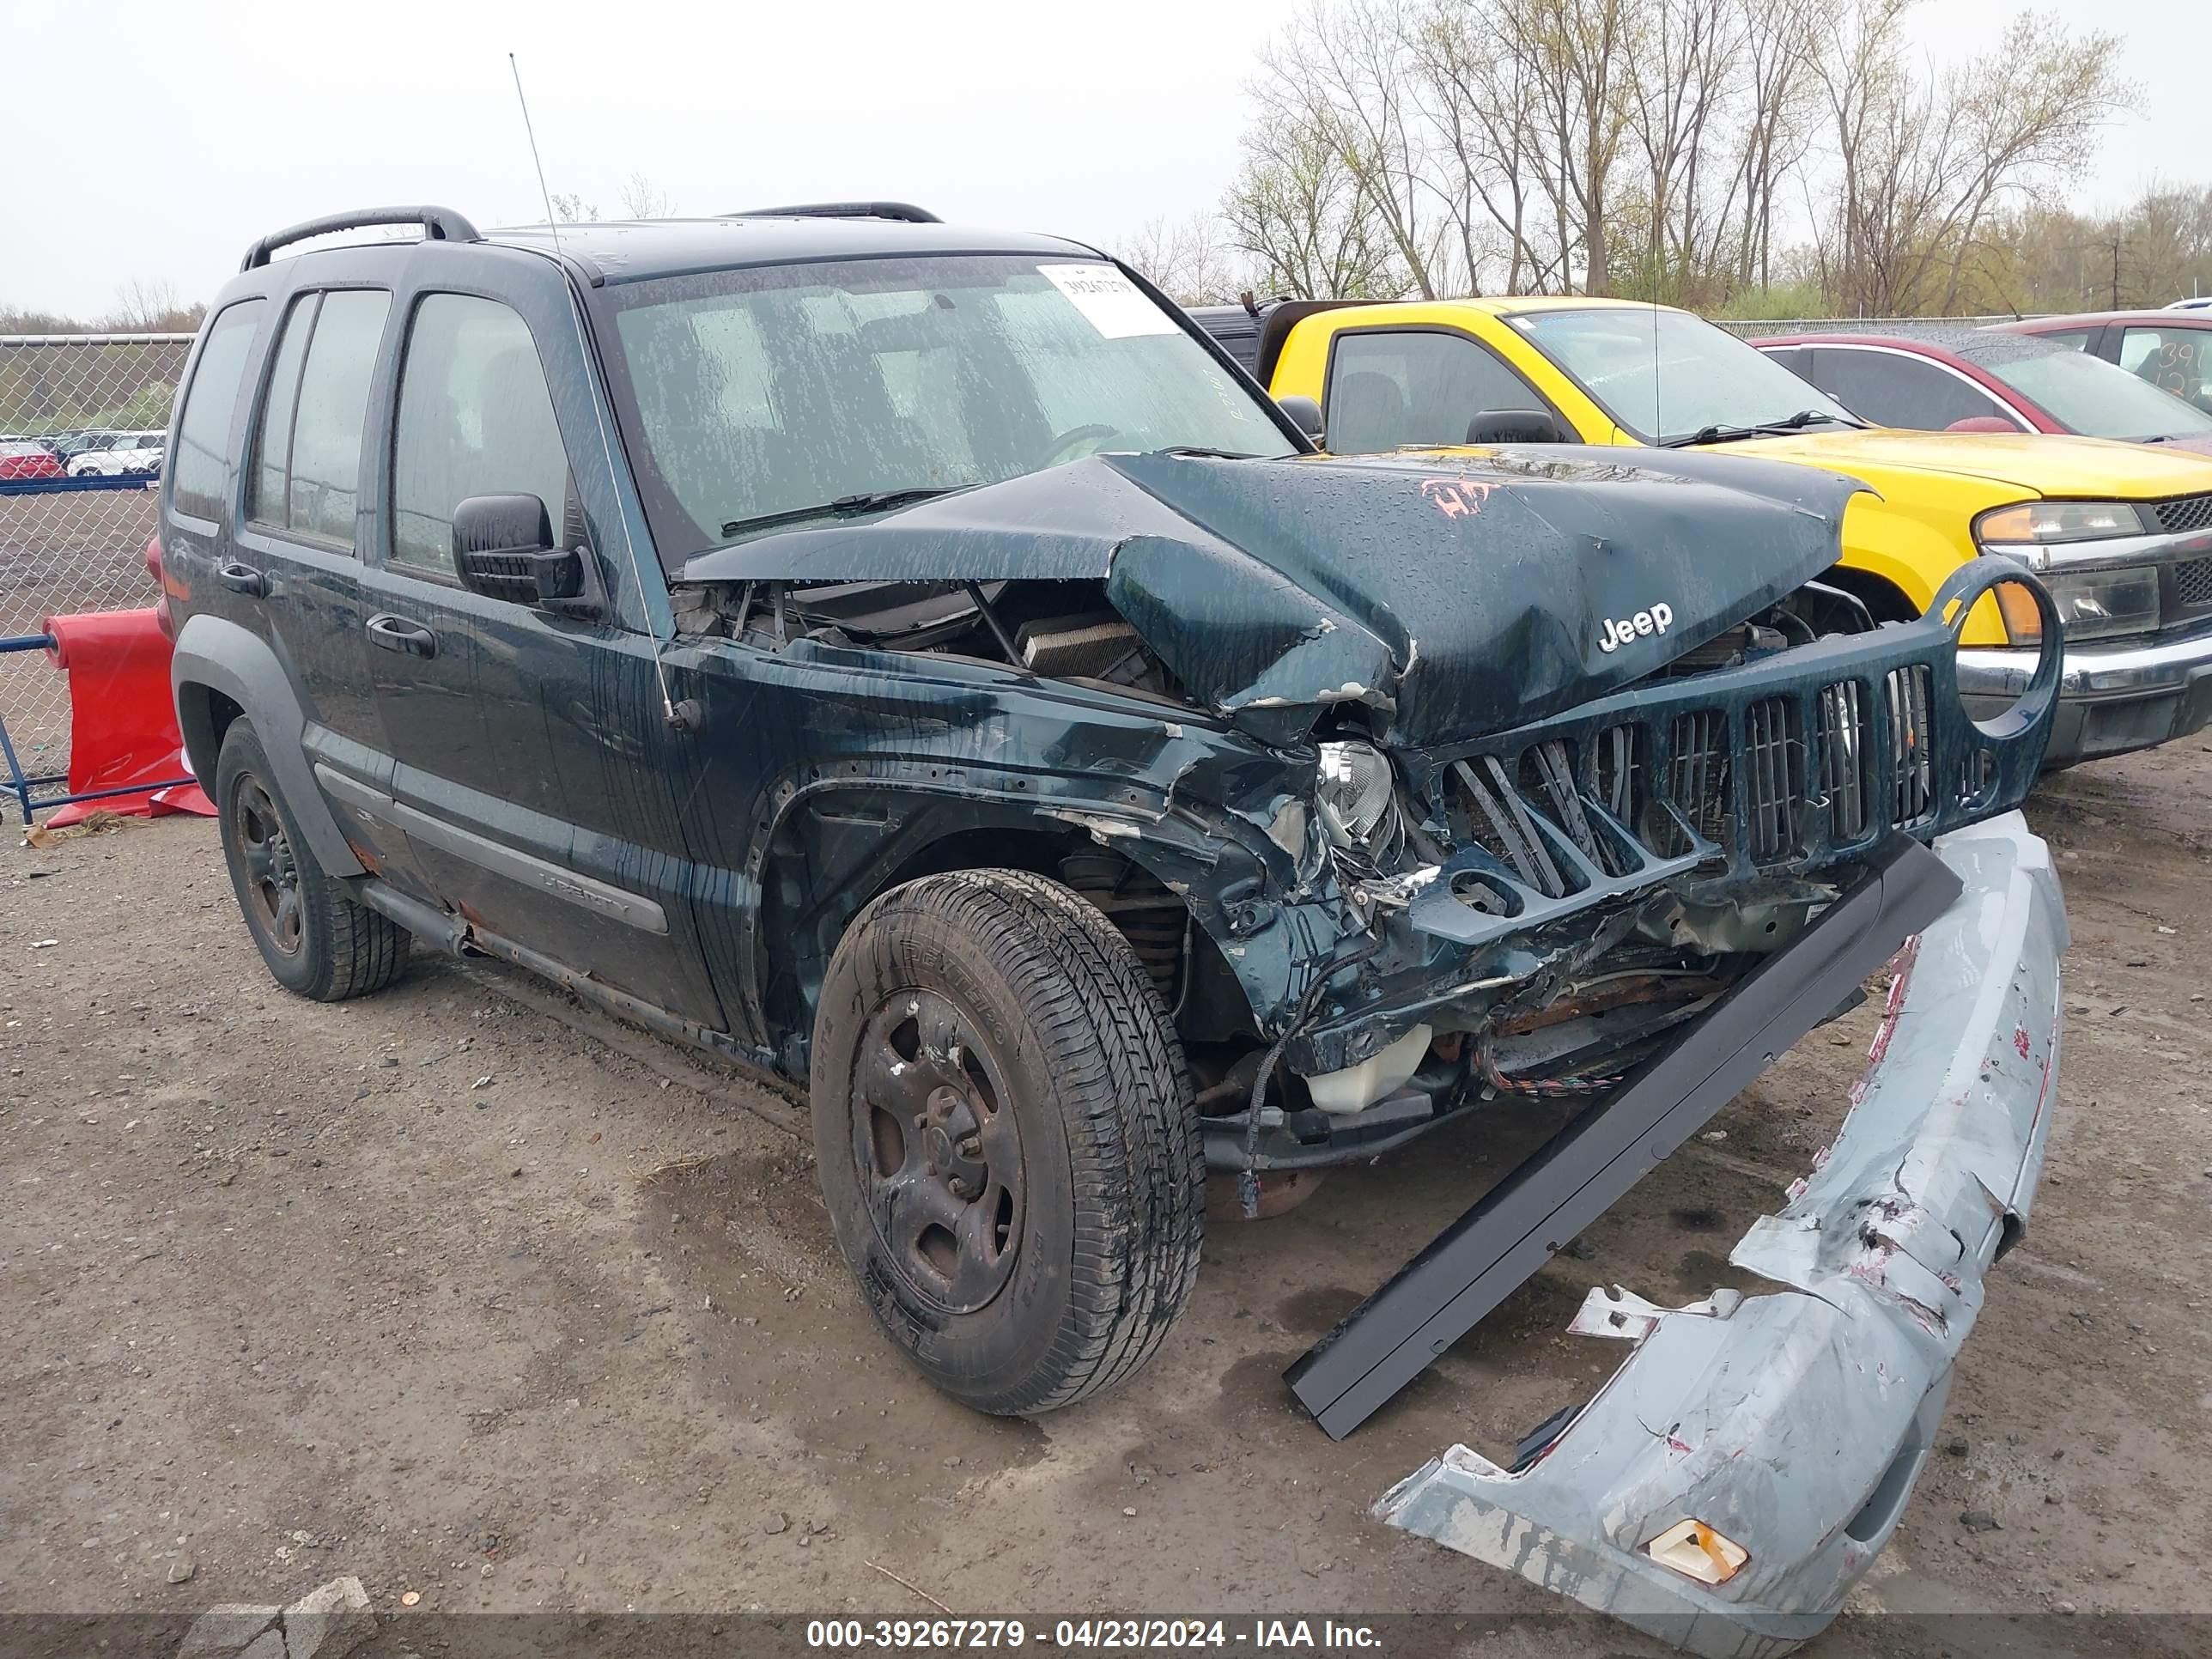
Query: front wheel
1007,1138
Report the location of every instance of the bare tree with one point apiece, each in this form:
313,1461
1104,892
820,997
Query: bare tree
1300,213
570,208
1925,165
1674,148
1189,259
1679,81
1579,55
641,198
143,307
1473,95
1778,47
1342,69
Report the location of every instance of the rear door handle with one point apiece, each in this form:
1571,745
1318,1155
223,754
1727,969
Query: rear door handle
242,579
398,634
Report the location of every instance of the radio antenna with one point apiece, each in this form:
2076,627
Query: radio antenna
530,132
683,716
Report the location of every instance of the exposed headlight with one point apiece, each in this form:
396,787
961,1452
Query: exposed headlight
2092,603
1354,791
2022,529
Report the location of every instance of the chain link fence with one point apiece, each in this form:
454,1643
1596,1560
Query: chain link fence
82,420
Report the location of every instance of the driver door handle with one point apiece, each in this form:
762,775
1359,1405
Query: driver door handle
398,634
242,579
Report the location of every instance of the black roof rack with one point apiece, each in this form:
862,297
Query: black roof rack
905,211
438,225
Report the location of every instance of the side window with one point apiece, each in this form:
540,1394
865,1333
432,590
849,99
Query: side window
307,473
1894,390
273,435
203,427
475,419
2074,339
2176,360
1393,387
1795,359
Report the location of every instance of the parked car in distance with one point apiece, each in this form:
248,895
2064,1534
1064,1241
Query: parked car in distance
2125,533
2196,302
27,458
2171,348
915,661
68,446
1967,380
132,454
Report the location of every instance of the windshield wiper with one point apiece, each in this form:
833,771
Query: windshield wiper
1206,453
1729,435
844,506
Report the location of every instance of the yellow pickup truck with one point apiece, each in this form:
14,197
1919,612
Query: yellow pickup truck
2122,533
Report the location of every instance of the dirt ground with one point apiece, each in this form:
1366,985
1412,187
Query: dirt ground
439,1290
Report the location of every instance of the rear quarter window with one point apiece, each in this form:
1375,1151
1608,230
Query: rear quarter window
307,477
201,462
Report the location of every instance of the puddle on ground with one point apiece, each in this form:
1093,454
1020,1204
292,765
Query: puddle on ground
784,1339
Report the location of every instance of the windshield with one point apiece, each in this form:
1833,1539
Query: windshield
1663,375
2099,399
754,393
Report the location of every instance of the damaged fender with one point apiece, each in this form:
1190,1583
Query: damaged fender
1793,1425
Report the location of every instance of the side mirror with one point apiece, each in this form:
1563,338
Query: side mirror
1305,411
503,549
1517,426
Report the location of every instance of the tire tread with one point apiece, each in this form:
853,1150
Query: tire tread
1138,1168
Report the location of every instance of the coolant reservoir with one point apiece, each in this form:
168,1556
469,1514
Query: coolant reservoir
1378,1077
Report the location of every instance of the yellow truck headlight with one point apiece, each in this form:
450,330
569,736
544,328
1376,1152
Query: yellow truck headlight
2026,526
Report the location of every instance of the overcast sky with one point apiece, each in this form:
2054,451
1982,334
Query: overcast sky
152,143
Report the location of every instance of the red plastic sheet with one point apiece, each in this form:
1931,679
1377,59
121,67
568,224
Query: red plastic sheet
123,724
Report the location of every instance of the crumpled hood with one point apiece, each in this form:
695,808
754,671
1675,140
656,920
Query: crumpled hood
1462,592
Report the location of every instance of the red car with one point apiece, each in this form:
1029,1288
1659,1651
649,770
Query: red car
19,458
2171,348
1989,380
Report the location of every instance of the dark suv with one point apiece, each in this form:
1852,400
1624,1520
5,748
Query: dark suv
917,661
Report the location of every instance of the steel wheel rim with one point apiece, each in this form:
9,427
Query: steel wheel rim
272,873
938,1151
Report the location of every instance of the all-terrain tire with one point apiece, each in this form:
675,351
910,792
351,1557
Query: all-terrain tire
1005,1012
316,941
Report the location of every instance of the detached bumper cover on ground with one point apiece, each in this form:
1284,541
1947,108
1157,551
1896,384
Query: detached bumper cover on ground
1793,1425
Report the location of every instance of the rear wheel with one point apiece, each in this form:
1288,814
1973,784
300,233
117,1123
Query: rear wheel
316,941
1007,1138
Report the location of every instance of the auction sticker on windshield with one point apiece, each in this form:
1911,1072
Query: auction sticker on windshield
1109,302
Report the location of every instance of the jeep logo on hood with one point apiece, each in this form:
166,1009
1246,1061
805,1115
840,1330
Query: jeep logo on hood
1657,620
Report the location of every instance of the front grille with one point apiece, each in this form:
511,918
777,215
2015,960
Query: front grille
1790,774
1796,763
1699,779
2188,512
1907,696
1843,758
1774,773
2193,582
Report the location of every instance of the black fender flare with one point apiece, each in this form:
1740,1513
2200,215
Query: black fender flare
918,811
219,655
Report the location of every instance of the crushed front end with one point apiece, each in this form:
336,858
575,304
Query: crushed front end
1539,910
1743,1467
